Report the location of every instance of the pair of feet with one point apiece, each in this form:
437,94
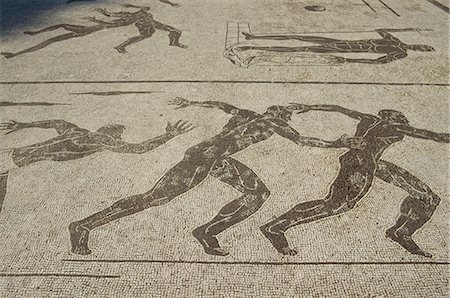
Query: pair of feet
279,241
122,50
79,237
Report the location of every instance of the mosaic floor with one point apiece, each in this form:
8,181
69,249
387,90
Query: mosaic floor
212,148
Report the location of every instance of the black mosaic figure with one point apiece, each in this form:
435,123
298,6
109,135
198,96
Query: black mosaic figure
358,168
142,19
390,46
72,143
211,157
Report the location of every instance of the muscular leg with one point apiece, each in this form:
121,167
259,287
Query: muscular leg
415,210
255,193
68,27
3,185
174,35
146,32
41,45
178,180
349,187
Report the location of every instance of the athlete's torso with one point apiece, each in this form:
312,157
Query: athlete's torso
379,46
144,18
378,136
240,132
71,145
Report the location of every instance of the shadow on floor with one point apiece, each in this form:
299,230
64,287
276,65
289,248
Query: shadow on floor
16,14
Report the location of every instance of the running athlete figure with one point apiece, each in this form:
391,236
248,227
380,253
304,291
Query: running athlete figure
355,178
390,46
142,19
74,142
211,157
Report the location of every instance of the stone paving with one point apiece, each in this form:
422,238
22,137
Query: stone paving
198,148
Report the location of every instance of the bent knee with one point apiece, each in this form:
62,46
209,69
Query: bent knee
428,198
175,32
434,199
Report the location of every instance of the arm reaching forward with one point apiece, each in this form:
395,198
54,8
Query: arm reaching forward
183,103
171,131
423,134
170,3
60,126
301,108
283,129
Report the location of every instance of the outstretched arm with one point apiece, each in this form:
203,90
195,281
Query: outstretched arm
423,134
170,3
60,126
182,103
171,131
382,60
385,32
108,13
97,21
331,108
283,129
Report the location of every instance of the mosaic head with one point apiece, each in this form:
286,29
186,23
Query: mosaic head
281,112
393,116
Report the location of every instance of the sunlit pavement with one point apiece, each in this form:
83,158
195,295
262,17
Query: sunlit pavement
195,148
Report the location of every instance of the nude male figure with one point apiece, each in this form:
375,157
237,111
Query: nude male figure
142,19
211,157
357,172
72,143
390,46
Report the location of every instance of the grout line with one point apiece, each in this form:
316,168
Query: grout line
254,262
223,82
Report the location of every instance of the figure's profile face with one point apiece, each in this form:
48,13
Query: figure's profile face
393,117
280,112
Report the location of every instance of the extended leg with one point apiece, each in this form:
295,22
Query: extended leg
255,193
68,27
348,188
312,49
415,210
182,177
145,31
3,185
41,45
308,38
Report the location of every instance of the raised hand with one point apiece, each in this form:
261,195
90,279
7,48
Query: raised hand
179,128
351,142
179,102
12,126
101,10
338,59
298,107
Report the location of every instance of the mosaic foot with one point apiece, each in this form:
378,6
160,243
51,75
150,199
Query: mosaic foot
120,50
278,241
8,55
407,243
209,243
79,237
